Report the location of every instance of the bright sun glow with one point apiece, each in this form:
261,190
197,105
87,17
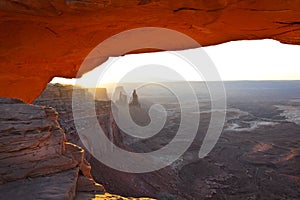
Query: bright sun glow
238,60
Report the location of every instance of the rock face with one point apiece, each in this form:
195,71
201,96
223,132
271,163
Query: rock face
63,105
32,143
60,185
36,161
114,181
53,37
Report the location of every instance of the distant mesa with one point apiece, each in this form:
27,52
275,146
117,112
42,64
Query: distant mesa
61,91
67,91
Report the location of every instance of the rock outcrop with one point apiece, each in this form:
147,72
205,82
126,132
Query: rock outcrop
52,37
60,97
120,96
114,181
32,143
134,100
36,161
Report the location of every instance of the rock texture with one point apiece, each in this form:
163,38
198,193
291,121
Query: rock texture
33,144
122,183
36,161
60,185
60,97
43,39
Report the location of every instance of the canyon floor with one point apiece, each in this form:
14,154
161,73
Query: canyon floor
256,157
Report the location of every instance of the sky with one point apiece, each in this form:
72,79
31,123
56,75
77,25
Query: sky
237,60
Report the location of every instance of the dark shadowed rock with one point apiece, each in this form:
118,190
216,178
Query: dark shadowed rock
56,186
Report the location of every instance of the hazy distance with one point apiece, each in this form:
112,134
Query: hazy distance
236,60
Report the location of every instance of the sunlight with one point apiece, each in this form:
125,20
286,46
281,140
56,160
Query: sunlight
237,60
256,60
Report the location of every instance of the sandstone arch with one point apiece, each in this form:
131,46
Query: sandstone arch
43,39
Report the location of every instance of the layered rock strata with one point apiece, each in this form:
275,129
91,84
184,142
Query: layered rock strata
36,160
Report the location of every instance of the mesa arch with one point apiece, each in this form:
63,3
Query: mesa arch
43,39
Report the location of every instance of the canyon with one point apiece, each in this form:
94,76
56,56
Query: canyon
126,184
41,155
253,152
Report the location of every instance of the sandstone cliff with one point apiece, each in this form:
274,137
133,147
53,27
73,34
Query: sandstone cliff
114,181
36,161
